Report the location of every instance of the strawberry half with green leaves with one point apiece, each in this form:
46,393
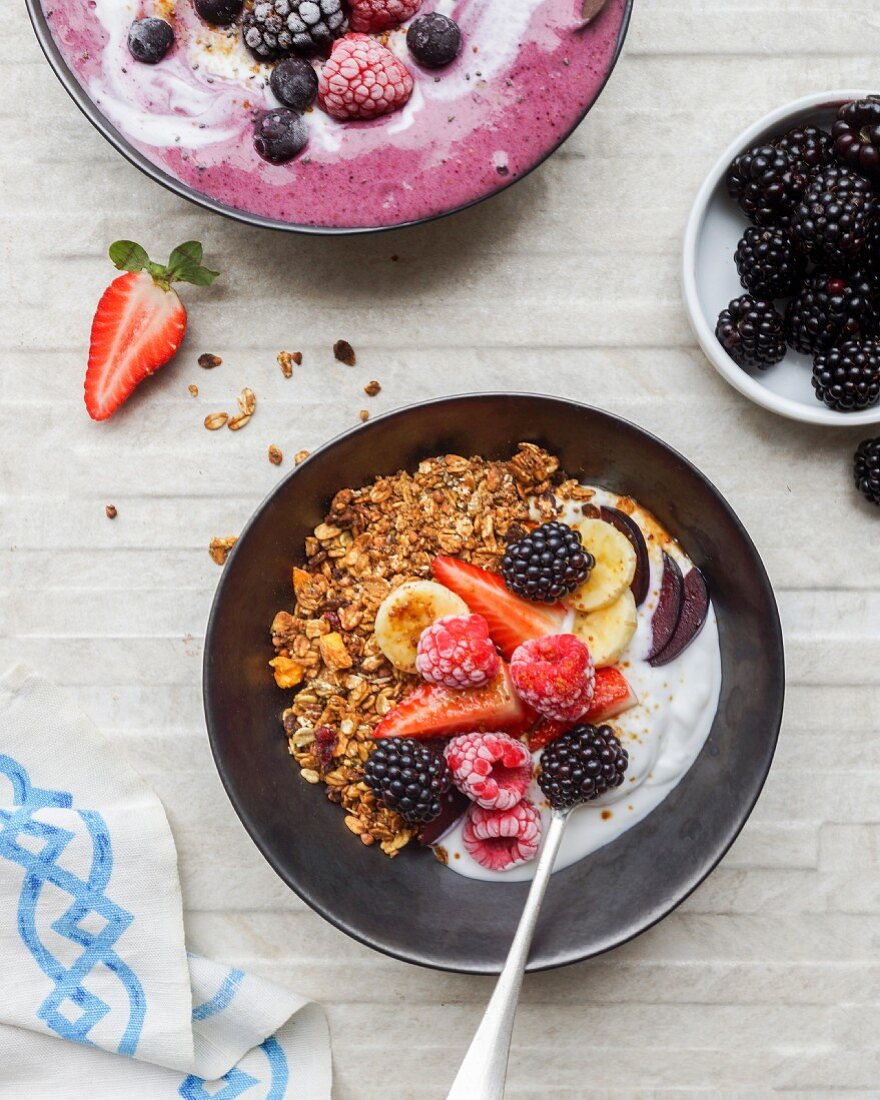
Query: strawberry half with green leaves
512,620
140,322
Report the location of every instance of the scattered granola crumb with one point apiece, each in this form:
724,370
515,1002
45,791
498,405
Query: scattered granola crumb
344,352
194,390
208,361
372,388
364,415
111,511
287,359
275,455
219,548
213,421
441,854
300,456
247,402
236,423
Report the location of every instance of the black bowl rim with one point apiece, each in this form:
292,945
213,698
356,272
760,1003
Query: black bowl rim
103,125
774,647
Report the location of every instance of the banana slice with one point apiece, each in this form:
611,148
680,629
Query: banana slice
607,632
404,614
614,570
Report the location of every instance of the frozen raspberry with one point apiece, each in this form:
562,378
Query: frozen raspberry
362,79
498,839
492,769
554,675
369,16
456,651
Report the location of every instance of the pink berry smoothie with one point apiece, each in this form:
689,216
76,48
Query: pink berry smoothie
525,74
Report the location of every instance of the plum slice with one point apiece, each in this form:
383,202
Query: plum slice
453,806
668,610
627,526
694,611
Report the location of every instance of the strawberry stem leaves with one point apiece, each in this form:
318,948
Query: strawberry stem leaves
184,264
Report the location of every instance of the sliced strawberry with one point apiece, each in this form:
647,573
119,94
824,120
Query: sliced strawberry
139,324
432,710
511,619
612,696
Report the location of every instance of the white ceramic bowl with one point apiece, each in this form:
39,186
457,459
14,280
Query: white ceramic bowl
710,278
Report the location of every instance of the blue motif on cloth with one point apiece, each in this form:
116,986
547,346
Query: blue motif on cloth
222,998
237,1082
89,900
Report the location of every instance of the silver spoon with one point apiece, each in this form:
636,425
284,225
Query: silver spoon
484,1070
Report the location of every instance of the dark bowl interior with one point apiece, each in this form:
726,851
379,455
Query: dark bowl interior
412,907
101,123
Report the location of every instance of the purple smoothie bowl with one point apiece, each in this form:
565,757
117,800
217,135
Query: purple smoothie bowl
500,130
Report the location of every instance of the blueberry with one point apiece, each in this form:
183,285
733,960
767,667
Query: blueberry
150,39
279,135
219,12
295,83
434,40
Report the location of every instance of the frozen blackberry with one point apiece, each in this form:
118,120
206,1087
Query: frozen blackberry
808,147
752,332
828,310
279,135
768,265
847,378
582,764
279,28
408,777
866,469
856,136
831,222
547,564
219,12
294,83
434,40
767,184
149,40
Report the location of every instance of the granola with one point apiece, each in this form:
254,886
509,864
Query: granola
371,541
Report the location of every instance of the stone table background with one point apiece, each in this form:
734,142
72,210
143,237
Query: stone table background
767,980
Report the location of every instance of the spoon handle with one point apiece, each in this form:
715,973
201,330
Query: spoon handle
484,1070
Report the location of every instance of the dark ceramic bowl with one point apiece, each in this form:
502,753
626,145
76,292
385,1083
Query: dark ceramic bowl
105,127
412,907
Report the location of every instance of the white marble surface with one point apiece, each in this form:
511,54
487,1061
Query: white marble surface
767,980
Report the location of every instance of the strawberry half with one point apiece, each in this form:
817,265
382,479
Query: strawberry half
140,322
512,620
612,695
432,710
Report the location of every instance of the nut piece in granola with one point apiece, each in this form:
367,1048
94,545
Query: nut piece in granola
344,352
372,388
110,511
220,547
208,361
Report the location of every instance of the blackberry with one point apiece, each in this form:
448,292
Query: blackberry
548,564
279,28
767,184
279,135
768,265
856,135
752,332
408,777
582,764
808,147
434,40
847,378
866,469
828,310
294,83
219,12
831,222
149,40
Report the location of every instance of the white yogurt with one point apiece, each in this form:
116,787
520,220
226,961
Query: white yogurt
663,734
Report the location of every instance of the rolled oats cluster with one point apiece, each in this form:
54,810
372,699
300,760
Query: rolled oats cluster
372,540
